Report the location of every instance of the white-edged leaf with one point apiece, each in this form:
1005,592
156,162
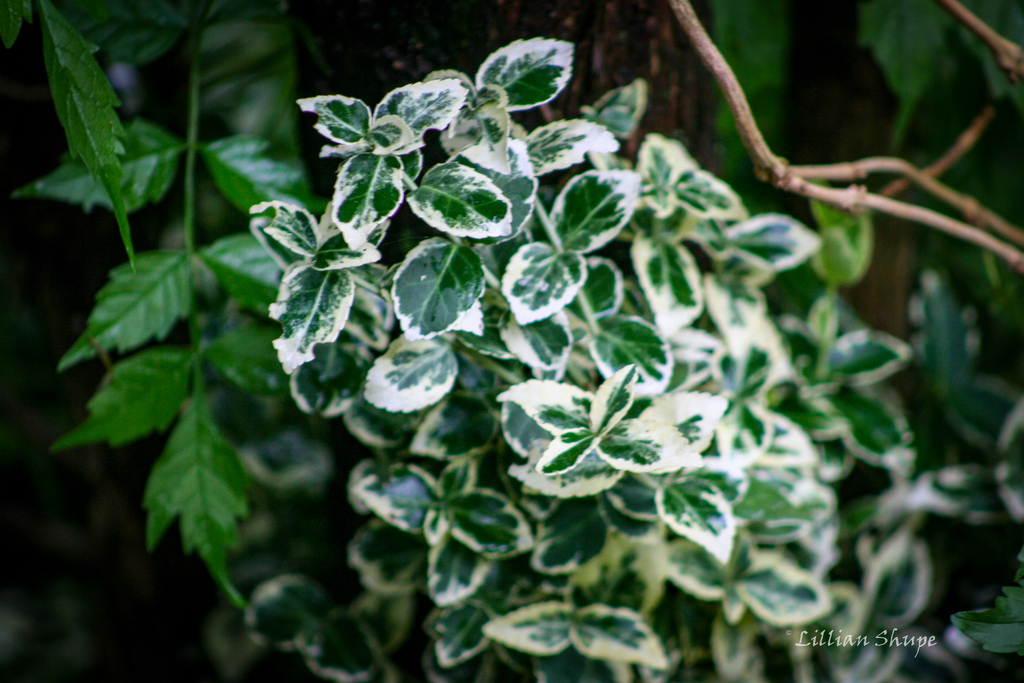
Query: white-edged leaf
643,445
488,523
574,534
613,399
621,109
531,72
520,430
671,282
566,450
454,572
279,609
344,120
706,196
375,427
389,561
517,184
329,383
555,406
562,144
438,288
661,162
424,106
367,192
463,424
401,495
617,634
744,433
867,356
335,254
773,241
593,207
544,344
481,132
694,415
698,510
390,135
312,307
461,634
590,476
625,340
698,355
780,593
603,289
411,375
791,446
695,570
538,281
460,201
538,629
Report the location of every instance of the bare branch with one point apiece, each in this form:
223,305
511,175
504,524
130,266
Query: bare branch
774,169
1008,55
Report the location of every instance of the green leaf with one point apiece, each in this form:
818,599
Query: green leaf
625,340
11,15
773,241
367,192
389,561
875,433
144,394
569,666
544,345
280,609
588,476
556,407
375,427
1000,629
866,357
539,281
706,196
518,184
246,174
131,32
696,508
455,199
617,634
780,593
328,384
454,572
671,282
150,161
199,478
438,288
400,495
593,207
424,106
572,535
695,570
411,375
85,106
487,523
621,109
847,244
906,37
338,648
661,162
532,72
246,356
245,269
292,227
461,425
344,120
538,629
603,289
461,634
312,307
562,144
135,306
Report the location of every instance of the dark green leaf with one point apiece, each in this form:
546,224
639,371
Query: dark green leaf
460,201
593,207
246,356
246,174
569,666
337,648
135,306
532,72
281,608
135,32
572,535
344,120
489,524
454,572
518,186
603,288
11,15
367,191
461,634
401,495
245,269
388,559
329,383
460,425
540,281
144,394
438,288
625,340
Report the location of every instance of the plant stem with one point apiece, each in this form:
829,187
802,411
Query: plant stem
549,228
189,207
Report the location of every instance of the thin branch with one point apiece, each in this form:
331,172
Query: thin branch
1008,55
964,143
774,169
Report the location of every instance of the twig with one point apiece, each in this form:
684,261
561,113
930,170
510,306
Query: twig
964,143
1008,55
774,169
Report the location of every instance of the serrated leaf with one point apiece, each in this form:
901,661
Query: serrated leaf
593,207
85,105
411,375
437,288
149,160
772,241
517,184
544,344
199,479
538,629
389,561
454,572
866,356
424,106
281,608
246,271
11,15
625,340
562,144
532,72
400,495
246,174
487,523
328,384
367,192
461,425
572,535
246,356
671,282
1000,629
131,32
461,634
312,307
135,306
455,199
617,634
698,510
144,394
539,281
344,120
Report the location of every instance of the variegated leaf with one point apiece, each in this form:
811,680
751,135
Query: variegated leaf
335,254
671,282
437,288
661,162
744,434
338,647
621,109
634,497
625,340
367,192
279,609
590,475
375,427
613,400
454,572
643,445
694,415
698,510
292,226
344,120
329,383
773,241
539,281
695,570
603,289
461,633
569,666
780,593
400,495
487,523
455,199
481,132
618,634
521,431
543,345
878,432
517,184
389,560
555,406
390,135
371,319
706,196
566,450
866,356
593,207
777,511
411,375
736,655
532,72
562,144
424,106
461,425
897,581
791,446
538,629
312,307
574,534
